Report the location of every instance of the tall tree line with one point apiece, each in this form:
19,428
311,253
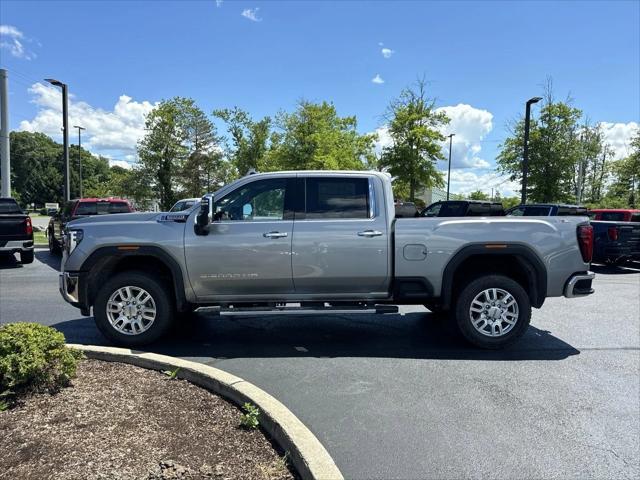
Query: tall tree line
569,160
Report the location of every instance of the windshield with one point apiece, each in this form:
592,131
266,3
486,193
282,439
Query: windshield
183,205
101,208
9,205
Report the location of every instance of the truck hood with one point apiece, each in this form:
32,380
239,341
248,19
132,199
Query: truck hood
115,218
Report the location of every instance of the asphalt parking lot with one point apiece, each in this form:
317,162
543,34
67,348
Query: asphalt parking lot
395,396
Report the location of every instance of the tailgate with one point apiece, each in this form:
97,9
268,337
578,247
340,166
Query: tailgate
13,227
629,235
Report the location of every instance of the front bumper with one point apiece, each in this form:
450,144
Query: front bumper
72,286
579,285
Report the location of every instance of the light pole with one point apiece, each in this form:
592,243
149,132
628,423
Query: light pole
65,134
80,153
451,135
525,156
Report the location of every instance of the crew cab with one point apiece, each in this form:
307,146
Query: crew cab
78,208
319,241
464,208
16,231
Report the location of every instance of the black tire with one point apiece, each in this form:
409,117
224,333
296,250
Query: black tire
436,312
54,246
159,291
467,295
26,257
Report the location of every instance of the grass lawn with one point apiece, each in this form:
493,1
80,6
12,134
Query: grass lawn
39,238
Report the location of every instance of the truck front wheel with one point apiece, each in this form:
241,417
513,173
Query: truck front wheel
492,311
133,308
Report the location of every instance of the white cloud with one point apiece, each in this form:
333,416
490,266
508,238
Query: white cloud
219,3
113,133
251,14
387,52
12,39
618,136
377,79
120,163
470,126
465,181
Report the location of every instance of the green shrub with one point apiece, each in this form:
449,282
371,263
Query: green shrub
34,358
250,418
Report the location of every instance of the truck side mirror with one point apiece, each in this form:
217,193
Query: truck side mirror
202,219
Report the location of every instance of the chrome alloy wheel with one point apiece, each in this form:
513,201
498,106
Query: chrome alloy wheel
131,310
494,312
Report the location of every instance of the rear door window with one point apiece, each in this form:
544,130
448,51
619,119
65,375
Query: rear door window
453,209
612,216
635,217
112,207
530,211
329,198
9,206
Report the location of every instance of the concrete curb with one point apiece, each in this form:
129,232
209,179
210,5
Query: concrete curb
309,457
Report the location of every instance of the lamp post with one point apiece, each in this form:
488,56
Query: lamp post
525,156
65,134
451,135
80,153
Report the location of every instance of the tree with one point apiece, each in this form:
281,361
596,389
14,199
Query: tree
314,137
554,150
37,166
204,165
624,190
164,147
249,139
414,127
478,195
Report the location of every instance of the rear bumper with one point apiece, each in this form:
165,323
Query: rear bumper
579,285
15,246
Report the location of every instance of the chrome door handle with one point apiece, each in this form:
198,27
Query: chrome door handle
369,233
275,234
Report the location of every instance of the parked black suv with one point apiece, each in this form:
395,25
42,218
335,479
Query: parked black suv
464,208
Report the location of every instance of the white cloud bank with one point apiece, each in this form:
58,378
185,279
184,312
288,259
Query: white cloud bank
251,14
618,136
113,134
12,39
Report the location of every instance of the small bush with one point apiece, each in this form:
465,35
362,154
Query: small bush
34,358
250,418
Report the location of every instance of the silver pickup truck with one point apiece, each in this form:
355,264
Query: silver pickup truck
319,241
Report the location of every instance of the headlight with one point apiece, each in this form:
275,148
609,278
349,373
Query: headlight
72,239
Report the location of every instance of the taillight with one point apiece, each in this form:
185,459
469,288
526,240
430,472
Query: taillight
28,227
613,233
585,241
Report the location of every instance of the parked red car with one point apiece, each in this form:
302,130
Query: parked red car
82,207
616,215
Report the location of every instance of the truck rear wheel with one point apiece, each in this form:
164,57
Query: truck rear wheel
54,247
133,308
492,311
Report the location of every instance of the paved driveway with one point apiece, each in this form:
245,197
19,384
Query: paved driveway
395,396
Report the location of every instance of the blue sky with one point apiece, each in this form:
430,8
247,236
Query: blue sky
482,59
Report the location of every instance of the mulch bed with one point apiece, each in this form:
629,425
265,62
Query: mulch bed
117,421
